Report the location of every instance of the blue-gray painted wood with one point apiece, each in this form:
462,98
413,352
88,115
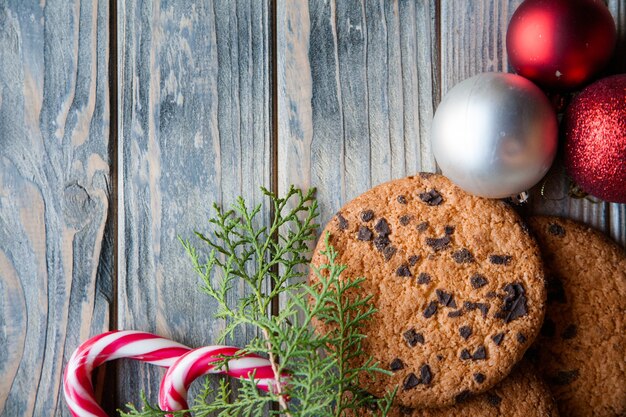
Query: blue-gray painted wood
56,275
357,85
194,106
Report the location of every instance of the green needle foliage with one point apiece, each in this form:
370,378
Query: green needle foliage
271,261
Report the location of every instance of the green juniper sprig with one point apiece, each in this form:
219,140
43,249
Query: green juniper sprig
323,367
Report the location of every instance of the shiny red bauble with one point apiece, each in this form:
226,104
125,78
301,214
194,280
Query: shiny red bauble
595,139
560,44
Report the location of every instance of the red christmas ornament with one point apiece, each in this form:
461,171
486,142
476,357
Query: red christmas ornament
595,132
560,44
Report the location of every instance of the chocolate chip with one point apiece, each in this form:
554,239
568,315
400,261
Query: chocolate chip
413,259
521,338
438,243
423,278
448,230
500,259
425,175
430,310
439,357
422,227
364,234
462,396
463,256
484,308
465,332
343,222
396,365
478,281
411,381
406,411
564,377
498,338
382,227
412,338
426,376
549,328
403,271
445,299
493,399
556,230
465,355
480,353
470,306
381,242
480,378
514,303
388,252
491,294
556,292
404,220
569,332
367,215
401,199
455,313
432,198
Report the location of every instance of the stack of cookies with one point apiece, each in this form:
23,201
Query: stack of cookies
462,296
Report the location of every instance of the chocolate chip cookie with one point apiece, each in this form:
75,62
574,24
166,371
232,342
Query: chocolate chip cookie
521,394
457,281
581,350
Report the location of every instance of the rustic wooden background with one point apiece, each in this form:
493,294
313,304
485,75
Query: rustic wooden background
121,121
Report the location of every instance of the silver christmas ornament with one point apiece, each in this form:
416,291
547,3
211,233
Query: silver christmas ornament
495,135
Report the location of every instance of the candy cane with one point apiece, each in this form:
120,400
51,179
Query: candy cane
146,347
201,361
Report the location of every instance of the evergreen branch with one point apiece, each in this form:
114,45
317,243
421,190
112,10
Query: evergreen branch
323,368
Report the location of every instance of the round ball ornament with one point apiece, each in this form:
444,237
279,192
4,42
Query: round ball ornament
495,135
595,139
560,44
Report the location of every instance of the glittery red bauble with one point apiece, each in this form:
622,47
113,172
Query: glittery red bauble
595,132
560,44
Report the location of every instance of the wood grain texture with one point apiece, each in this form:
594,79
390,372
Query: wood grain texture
357,84
55,257
194,106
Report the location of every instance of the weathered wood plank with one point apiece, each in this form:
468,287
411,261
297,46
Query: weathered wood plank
194,105
357,83
55,261
473,39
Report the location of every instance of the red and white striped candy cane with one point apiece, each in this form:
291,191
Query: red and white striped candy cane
147,347
201,361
